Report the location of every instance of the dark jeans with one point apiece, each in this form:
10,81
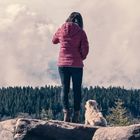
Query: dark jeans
66,73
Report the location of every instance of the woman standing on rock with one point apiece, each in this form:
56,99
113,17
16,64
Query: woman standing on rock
73,50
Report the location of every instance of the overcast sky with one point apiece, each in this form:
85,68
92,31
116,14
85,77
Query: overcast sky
27,56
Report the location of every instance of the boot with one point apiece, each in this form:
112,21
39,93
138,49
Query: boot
66,115
76,117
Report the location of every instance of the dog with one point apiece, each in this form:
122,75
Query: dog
93,116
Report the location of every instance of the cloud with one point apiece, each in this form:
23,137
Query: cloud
29,58
26,48
113,32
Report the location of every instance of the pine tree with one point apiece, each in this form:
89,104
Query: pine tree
44,114
119,115
49,114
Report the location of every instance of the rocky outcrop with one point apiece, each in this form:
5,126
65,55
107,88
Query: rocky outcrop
7,129
52,130
118,133
32,129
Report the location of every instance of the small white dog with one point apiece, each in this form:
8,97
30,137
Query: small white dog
92,114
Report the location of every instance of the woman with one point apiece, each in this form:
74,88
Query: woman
73,50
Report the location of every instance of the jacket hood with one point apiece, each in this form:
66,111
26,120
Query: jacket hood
70,29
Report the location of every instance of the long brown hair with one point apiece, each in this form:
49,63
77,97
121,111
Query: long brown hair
76,18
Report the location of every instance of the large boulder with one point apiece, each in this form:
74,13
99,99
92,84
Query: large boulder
33,129
131,132
7,129
27,129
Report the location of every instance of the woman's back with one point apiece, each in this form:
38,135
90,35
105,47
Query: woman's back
71,37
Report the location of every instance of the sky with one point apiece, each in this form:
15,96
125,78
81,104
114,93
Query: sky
28,57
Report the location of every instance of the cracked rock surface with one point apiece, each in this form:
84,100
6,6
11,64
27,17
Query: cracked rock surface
131,132
33,129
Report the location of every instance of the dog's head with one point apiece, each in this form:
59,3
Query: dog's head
91,104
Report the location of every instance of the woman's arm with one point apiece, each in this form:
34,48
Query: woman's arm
55,39
84,45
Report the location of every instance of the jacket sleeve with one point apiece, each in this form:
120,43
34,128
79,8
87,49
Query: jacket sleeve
84,46
55,39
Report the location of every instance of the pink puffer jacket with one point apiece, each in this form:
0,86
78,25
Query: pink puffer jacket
73,45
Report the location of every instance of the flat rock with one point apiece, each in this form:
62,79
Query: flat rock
131,132
27,129
7,129
33,129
